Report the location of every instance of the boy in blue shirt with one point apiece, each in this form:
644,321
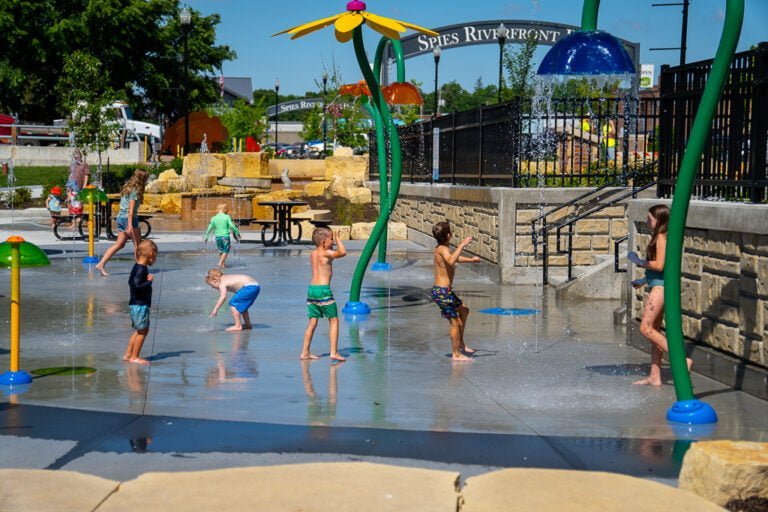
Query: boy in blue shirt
140,282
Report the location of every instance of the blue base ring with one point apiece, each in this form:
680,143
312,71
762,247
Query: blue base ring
356,308
10,378
692,412
381,267
90,259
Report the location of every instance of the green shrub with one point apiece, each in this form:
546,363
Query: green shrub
17,198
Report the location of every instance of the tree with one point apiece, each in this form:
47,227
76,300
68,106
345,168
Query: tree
83,93
242,119
519,65
313,125
138,43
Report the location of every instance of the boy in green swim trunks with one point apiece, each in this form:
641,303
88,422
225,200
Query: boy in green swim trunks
221,225
450,304
320,301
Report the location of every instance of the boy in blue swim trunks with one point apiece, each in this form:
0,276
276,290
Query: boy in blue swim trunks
320,301
140,282
450,304
246,290
221,225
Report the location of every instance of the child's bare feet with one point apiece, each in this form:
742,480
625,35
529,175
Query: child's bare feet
126,357
101,270
467,350
648,381
138,360
461,358
247,326
308,356
338,357
234,328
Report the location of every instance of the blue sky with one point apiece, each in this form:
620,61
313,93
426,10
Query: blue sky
247,26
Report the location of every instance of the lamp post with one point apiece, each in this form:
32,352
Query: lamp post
501,35
436,52
185,18
325,124
277,111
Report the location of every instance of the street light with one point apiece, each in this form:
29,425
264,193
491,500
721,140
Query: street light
436,52
325,124
501,34
277,111
185,18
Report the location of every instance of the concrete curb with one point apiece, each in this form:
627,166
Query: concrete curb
341,487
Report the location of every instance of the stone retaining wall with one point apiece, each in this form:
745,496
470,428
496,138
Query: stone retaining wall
724,276
500,221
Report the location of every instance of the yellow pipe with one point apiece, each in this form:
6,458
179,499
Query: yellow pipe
240,145
90,228
145,149
15,304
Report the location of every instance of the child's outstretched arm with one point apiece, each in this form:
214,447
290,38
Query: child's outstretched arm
340,251
455,256
233,228
220,302
208,231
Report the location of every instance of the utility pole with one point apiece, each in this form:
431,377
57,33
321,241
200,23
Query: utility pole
683,31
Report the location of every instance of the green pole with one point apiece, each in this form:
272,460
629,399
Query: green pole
734,15
589,15
385,197
381,223
381,151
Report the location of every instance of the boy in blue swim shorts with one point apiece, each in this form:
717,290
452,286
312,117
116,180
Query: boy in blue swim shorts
140,283
246,290
442,294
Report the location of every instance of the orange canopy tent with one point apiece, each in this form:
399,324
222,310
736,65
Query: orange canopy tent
199,123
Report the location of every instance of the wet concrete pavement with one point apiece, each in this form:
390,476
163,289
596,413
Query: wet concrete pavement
552,389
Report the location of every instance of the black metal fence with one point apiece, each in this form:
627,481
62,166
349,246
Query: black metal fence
733,166
572,142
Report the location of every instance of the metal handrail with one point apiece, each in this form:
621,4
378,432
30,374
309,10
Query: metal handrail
619,179
583,215
616,244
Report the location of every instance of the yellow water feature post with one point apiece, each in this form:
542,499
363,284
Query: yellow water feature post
91,195
16,253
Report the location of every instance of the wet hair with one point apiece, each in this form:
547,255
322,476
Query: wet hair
222,207
441,231
146,247
320,234
659,212
213,274
136,183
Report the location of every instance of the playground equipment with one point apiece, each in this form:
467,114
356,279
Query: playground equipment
91,195
590,52
348,27
16,253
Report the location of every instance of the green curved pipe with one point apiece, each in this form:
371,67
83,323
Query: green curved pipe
385,197
381,224
589,15
381,150
734,15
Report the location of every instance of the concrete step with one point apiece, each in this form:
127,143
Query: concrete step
599,281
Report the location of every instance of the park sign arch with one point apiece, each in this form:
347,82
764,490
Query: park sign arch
296,105
486,32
